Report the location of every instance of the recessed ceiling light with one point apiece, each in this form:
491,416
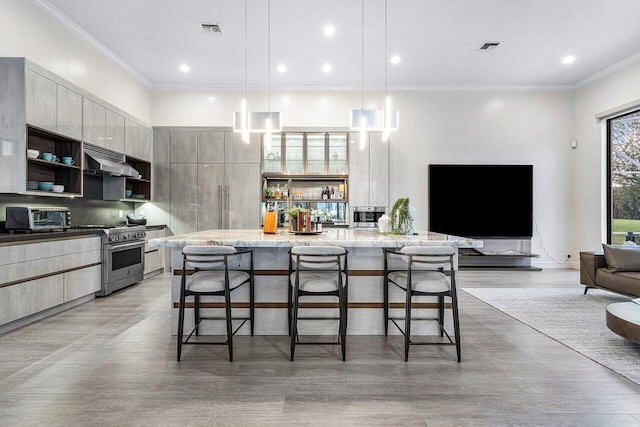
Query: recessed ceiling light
184,68
568,60
282,68
395,59
326,68
329,30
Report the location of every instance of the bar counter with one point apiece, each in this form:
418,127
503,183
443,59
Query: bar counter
270,252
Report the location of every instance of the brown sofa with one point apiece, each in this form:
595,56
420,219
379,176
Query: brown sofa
595,273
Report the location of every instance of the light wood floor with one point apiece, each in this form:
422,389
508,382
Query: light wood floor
112,362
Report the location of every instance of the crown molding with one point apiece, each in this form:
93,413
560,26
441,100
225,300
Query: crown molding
608,71
63,19
379,88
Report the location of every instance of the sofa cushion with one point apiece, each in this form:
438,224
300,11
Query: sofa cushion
627,283
622,258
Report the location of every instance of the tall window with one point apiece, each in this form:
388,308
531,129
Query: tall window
624,178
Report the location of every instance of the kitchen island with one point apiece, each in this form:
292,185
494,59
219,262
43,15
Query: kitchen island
270,252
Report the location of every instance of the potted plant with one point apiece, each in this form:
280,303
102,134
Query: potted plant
292,213
401,220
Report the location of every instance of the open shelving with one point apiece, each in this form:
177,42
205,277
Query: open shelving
39,169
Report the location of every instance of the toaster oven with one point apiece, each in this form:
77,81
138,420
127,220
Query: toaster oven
24,218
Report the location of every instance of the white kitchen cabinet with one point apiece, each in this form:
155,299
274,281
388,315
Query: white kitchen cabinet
69,113
238,151
41,275
184,198
52,106
211,196
154,257
41,101
137,141
161,167
242,193
93,123
184,147
211,147
79,283
369,171
378,170
114,131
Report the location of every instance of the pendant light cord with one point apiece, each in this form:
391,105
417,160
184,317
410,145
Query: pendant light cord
245,51
362,56
269,60
386,59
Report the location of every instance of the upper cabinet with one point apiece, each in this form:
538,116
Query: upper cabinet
114,131
53,107
42,100
93,123
44,113
137,141
369,171
306,153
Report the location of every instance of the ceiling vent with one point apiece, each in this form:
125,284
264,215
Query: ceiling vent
488,47
211,29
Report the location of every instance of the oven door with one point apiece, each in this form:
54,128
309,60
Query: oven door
123,264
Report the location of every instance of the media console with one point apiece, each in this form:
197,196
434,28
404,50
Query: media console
499,254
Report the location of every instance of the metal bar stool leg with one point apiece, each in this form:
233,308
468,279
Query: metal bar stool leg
407,326
386,305
343,322
294,323
441,314
227,304
196,312
456,322
181,318
252,303
289,306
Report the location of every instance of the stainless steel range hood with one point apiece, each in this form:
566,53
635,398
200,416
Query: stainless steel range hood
100,161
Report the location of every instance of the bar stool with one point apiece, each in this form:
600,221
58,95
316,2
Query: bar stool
318,271
429,271
214,276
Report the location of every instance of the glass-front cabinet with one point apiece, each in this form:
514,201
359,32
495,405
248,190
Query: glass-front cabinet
306,153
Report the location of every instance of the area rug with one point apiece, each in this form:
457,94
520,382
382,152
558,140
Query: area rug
571,318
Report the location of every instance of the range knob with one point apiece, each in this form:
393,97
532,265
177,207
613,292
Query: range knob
142,234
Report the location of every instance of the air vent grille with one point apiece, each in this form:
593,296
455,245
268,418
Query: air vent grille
488,46
212,29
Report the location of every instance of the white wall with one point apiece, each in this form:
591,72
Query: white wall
435,127
27,31
609,92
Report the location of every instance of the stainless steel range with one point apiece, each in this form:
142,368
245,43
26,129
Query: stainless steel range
122,257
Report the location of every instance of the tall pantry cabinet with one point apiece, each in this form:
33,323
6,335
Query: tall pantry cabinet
213,178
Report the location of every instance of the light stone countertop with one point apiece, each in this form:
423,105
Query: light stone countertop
334,236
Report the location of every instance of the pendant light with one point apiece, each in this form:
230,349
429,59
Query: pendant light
257,121
241,119
390,116
269,121
374,120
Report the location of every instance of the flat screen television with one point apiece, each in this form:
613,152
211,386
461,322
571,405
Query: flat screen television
481,201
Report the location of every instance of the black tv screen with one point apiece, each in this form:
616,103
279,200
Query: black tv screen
481,201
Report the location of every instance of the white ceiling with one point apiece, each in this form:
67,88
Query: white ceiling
436,39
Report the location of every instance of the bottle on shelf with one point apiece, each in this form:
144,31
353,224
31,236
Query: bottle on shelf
285,192
278,192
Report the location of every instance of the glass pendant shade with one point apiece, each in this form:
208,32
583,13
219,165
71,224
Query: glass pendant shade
374,120
258,121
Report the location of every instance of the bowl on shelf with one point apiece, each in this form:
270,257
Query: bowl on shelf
57,188
32,185
127,193
137,196
45,185
32,154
